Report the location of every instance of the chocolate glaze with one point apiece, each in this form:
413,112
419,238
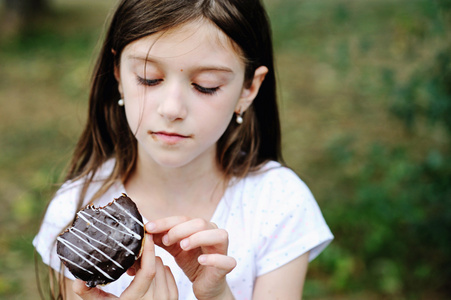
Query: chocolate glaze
102,243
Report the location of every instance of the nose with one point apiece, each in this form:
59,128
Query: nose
172,106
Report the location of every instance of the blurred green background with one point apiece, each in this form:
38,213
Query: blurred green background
366,112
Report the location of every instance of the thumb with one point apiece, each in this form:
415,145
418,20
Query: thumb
86,293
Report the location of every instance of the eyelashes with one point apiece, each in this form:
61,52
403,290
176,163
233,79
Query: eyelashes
204,90
197,87
148,82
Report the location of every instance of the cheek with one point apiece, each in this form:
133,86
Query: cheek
131,119
135,104
215,120
217,124
134,110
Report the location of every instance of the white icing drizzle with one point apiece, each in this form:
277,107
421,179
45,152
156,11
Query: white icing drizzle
123,232
90,237
124,210
77,265
117,242
98,250
85,259
134,234
67,243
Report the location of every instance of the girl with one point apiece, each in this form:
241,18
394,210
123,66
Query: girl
183,118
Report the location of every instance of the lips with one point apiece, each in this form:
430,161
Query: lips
170,138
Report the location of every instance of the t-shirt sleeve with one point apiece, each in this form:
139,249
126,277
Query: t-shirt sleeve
290,221
58,217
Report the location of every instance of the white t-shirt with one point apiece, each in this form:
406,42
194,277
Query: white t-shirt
271,217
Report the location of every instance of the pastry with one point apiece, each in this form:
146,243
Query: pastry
103,242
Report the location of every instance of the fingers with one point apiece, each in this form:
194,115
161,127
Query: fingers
160,278
172,286
151,278
224,264
145,274
133,269
163,225
219,238
179,228
164,283
79,287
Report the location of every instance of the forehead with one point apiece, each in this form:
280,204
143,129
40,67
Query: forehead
194,41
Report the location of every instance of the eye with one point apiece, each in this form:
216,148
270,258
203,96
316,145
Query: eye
148,82
204,90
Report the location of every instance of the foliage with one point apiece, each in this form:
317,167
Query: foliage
395,223
392,214
382,180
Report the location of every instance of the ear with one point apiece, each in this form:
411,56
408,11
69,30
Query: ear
117,74
248,94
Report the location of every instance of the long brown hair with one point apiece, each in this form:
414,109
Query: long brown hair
241,149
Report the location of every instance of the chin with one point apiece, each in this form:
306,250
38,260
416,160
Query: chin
180,159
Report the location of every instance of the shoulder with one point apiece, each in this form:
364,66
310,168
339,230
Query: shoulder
288,219
73,187
274,181
274,171
273,196
66,202
61,212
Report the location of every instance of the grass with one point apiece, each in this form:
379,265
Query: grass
337,61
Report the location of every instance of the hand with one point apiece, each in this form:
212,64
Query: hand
200,249
152,280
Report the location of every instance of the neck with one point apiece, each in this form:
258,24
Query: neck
196,184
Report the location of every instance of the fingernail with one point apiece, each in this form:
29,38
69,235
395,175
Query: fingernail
150,226
165,240
202,259
184,243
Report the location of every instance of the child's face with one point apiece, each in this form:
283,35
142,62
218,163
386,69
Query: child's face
181,89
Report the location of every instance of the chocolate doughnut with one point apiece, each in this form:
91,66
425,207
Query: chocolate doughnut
103,242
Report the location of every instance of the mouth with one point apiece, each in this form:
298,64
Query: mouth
170,138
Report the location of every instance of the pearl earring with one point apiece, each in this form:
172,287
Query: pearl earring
239,118
120,102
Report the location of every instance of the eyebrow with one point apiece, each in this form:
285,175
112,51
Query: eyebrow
142,58
202,68
213,68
